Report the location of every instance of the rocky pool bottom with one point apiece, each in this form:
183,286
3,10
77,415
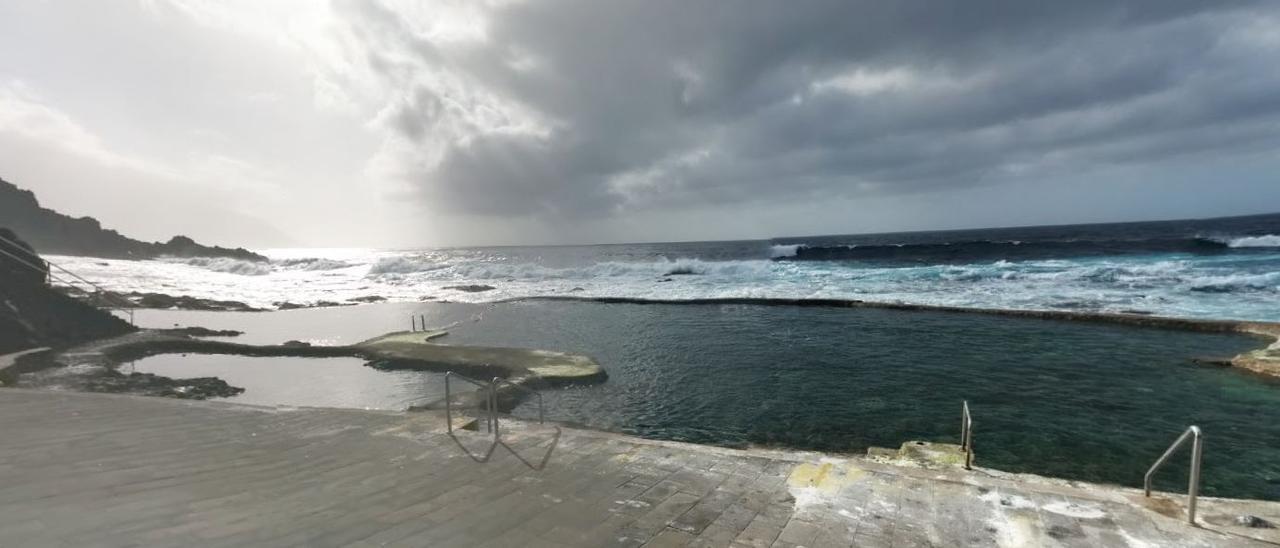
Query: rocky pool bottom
1075,400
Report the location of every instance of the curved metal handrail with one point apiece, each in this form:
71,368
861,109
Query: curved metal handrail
491,420
1197,452
542,414
966,435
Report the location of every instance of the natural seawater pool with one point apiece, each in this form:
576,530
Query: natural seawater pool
1066,399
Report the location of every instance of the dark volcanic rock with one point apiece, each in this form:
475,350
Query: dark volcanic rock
1211,361
1254,522
286,305
53,232
148,384
19,263
368,299
32,314
296,344
327,304
474,288
196,331
160,300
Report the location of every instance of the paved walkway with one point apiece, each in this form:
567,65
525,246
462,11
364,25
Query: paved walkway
103,470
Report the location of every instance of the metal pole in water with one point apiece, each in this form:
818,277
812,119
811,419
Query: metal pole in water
422,320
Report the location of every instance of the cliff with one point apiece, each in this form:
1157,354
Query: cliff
32,314
59,234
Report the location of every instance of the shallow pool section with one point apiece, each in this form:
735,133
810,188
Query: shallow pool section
313,382
1068,399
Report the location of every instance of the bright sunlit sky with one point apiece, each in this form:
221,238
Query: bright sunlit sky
393,123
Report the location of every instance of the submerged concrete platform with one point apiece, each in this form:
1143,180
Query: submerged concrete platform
108,470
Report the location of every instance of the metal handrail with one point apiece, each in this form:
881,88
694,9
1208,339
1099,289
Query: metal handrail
1197,452
542,414
966,435
415,325
491,421
122,304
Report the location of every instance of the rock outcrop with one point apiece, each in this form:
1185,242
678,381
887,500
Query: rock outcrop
32,314
53,232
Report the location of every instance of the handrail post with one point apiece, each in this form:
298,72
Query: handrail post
448,402
493,404
1193,484
966,435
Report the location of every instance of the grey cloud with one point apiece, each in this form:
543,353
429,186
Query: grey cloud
646,103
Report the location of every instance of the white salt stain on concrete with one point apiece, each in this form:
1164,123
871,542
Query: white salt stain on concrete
1012,531
1008,501
1136,542
1071,509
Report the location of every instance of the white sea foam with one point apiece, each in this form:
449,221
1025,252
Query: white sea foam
403,265
1270,240
783,251
1235,286
311,263
225,264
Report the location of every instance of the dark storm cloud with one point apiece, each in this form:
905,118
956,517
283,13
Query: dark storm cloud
581,108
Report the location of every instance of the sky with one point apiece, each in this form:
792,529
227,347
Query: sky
389,123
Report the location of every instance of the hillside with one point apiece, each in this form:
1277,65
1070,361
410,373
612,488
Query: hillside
53,232
33,314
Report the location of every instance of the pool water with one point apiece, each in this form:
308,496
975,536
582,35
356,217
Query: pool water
309,382
1077,400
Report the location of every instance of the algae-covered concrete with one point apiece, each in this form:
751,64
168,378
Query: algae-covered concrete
412,350
112,470
400,350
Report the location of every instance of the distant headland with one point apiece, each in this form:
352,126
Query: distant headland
53,232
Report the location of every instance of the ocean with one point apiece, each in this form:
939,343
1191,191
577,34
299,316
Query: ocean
1226,268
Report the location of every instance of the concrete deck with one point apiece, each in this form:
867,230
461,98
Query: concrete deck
106,470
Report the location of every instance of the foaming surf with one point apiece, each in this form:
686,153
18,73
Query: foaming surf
1222,270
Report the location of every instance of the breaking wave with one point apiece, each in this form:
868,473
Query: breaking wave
1014,250
312,263
224,264
1270,240
258,268
403,265
779,251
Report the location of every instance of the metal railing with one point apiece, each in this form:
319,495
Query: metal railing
498,381
417,323
120,303
491,419
966,435
1193,487
491,400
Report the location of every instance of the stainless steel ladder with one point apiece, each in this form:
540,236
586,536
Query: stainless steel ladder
498,381
1197,451
490,420
491,399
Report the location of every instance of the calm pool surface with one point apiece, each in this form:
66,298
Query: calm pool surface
314,382
1076,400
